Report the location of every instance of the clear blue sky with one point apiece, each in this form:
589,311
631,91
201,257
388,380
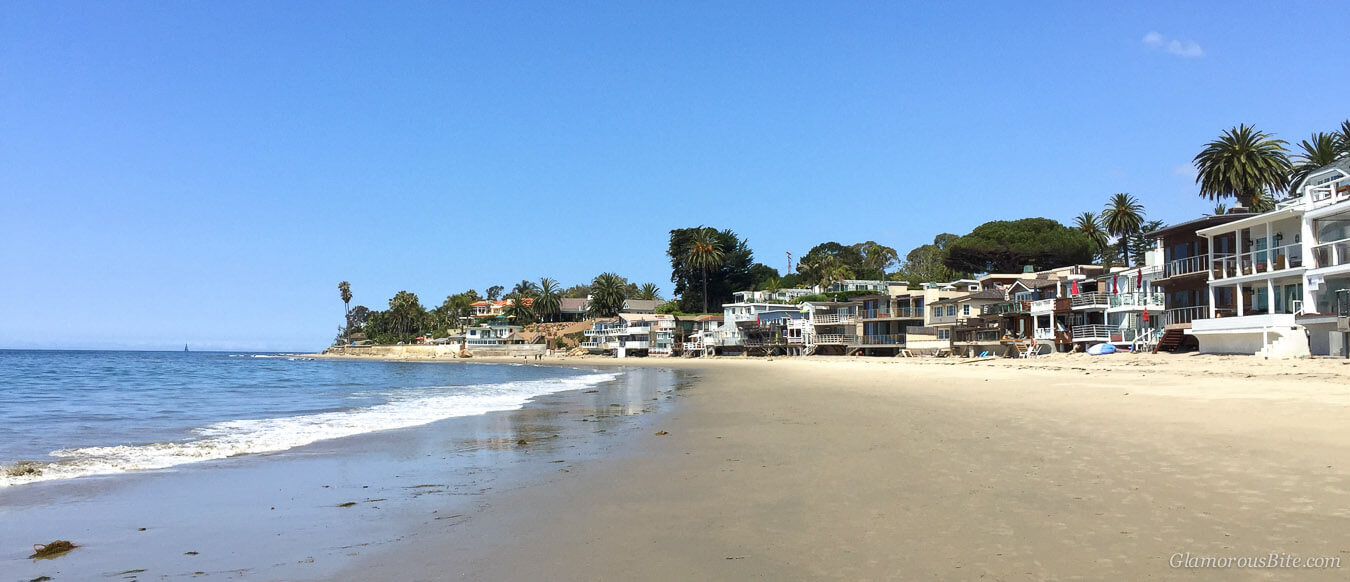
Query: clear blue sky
208,171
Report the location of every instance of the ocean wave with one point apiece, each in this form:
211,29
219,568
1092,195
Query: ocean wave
243,437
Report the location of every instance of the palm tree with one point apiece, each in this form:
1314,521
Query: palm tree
521,309
1121,218
836,273
345,289
607,295
1344,136
648,291
878,257
1088,224
548,299
525,287
1243,163
1319,150
704,253
1141,243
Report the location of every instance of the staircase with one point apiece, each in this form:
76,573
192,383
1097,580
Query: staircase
1170,341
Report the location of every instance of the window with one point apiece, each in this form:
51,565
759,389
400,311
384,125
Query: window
965,310
951,311
944,334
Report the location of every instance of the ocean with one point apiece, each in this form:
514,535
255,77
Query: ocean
70,414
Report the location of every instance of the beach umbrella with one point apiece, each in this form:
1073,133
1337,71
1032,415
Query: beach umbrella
1145,315
1139,280
1074,289
1115,283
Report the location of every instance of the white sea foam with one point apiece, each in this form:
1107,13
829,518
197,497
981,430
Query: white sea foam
242,437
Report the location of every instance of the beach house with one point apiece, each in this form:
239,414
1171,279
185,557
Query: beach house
1184,279
492,335
633,334
1283,269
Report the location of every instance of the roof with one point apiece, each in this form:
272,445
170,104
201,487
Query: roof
641,304
986,294
646,317
709,318
572,304
1196,224
1342,164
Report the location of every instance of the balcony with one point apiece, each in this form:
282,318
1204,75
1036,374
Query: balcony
1276,259
1138,301
1006,308
1089,301
1198,264
895,339
898,312
1332,254
830,339
836,318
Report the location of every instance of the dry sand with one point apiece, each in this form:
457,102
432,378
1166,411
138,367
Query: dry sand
1066,467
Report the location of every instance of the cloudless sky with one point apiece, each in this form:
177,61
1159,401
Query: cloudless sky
207,172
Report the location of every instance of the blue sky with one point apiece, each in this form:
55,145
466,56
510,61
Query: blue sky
208,172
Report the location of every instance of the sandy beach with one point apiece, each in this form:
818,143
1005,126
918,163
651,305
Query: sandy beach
1066,467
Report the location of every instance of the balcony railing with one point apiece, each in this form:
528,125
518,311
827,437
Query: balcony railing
895,339
1086,300
1092,332
1006,307
829,338
890,313
1141,300
1269,260
836,318
1333,253
1185,314
1186,266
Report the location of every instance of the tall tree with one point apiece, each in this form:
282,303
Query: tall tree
1121,218
737,270
649,292
1088,224
1139,245
495,292
607,295
407,313
345,291
548,299
926,263
705,253
1003,246
520,308
1344,137
877,259
1317,151
1243,164
525,287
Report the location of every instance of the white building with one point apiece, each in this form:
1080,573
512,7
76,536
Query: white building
633,334
1282,270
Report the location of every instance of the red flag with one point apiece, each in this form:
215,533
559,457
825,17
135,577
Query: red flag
1139,280
1115,283
1074,290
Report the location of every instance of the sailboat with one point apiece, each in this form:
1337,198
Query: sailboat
185,347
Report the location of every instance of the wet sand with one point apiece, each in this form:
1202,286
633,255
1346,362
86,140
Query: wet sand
282,516
1063,468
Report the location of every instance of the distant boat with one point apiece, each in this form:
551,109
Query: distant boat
185,347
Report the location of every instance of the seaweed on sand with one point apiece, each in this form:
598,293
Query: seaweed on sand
52,550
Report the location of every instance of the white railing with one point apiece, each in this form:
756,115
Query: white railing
829,338
1092,332
1042,305
1043,333
835,318
1333,253
1145,300
1254,262
1196,264
1090,300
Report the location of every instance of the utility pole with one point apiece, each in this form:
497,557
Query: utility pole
789,256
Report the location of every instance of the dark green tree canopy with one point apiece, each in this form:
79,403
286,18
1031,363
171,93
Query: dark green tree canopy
927,263
734,274
1005,246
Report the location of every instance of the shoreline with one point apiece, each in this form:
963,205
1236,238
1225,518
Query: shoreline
892,469
284,515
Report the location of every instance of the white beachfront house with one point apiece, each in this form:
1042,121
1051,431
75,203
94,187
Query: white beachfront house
778,296
633,334
1282,270
492,335
1124,309
701,329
